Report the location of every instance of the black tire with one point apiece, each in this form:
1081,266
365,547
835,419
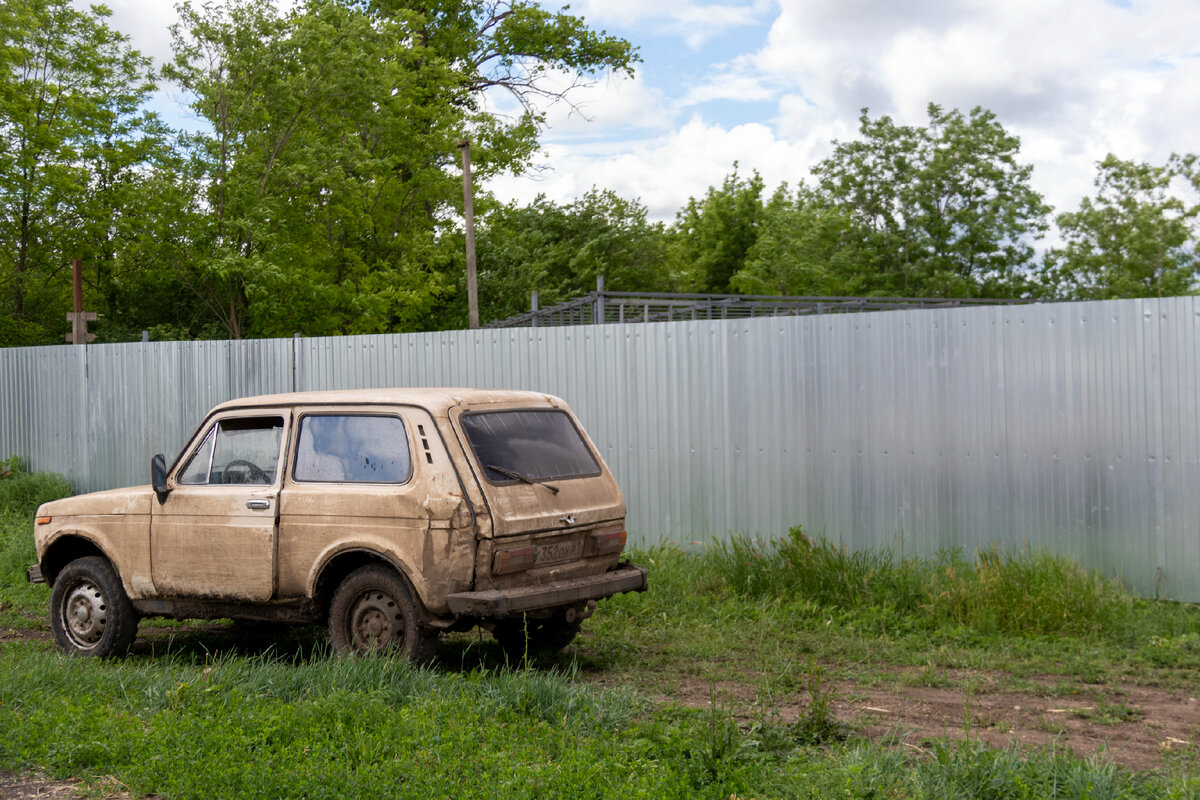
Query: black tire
373,610
525,636
90,614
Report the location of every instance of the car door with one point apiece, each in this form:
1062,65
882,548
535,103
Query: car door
351,487
214,536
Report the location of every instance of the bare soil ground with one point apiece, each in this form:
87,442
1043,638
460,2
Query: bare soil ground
1135,726
29,787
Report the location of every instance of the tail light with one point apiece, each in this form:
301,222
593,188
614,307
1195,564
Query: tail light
517,560
600,544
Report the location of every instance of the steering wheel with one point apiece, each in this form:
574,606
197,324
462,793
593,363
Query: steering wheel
253,472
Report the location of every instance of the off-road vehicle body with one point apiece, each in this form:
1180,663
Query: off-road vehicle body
392,514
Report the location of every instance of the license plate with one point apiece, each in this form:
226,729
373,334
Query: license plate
554,552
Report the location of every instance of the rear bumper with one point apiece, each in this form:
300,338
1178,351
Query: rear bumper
506,602
34,574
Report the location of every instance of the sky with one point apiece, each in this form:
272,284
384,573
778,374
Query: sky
771,84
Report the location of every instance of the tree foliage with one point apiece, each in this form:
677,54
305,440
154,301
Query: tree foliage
805,246
77,150
1135,238
559,251
941,210
330,169
713,235
322,194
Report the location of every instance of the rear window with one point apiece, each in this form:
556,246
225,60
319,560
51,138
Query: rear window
539,445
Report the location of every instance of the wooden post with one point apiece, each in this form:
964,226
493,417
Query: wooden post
78,317
469,216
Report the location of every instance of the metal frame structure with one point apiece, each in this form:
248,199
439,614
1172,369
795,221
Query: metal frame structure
618,307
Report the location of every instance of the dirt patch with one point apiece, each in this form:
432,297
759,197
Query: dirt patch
28,787
1137,727
23,635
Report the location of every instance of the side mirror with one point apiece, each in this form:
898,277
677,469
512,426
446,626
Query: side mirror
158,477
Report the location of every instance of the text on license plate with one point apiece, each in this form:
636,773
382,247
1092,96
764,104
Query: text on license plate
555,552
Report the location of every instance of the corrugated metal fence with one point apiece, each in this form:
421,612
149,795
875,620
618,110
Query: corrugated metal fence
1073,427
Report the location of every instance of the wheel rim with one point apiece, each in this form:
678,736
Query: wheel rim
84,614
376,621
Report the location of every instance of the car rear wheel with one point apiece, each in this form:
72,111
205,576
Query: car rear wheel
373,610
90,614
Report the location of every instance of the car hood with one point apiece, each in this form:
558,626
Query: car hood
132,500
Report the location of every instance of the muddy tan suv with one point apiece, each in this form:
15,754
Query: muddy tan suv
392,514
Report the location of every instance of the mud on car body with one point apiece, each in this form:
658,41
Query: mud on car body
390,514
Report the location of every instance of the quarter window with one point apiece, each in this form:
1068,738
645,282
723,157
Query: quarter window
352,448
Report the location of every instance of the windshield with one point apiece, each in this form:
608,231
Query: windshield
536,445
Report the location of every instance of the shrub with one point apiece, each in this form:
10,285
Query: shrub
1025,592
21,492
1014,592
817,569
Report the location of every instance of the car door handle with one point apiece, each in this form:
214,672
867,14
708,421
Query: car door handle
258,505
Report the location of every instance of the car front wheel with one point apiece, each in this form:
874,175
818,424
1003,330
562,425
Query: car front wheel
90,614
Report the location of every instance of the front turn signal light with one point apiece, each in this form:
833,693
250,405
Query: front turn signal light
44,520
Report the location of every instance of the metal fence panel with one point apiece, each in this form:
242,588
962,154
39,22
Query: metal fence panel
1072,427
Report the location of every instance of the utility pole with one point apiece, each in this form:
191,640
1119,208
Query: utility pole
78,317
469,215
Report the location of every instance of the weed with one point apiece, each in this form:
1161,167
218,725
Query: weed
22,492
1053,726
817,725
1026,593
929,676
1014,592
1103,713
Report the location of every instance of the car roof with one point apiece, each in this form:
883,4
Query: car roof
435,399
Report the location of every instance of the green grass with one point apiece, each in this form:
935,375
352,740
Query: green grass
1018,612
1013,592
201,714
264,727
21,493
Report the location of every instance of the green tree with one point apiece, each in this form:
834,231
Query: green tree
712,236
331,169
560,250
75,147
943,210
1135,238
805,246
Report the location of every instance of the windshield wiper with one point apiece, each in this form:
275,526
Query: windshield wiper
518,476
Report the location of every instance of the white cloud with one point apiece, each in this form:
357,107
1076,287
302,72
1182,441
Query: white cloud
1076,79
145,23
695,23
664,171
612,103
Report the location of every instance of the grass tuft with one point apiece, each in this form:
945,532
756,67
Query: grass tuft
21,492
1014,592
1025,592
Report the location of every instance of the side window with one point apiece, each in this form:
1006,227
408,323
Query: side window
244,451
352,448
